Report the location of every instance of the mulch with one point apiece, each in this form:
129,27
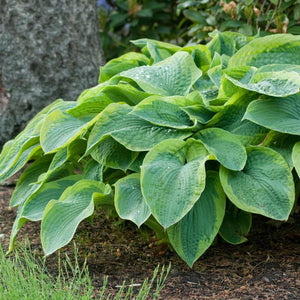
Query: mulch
265,267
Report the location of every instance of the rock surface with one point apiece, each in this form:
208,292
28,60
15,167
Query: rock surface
48,49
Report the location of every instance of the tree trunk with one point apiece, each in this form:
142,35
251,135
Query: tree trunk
49,49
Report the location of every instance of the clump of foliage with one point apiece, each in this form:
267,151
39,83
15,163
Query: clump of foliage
189,141
122,21
186,22
244,16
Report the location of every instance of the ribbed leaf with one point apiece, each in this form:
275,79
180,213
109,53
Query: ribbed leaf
279,114
230,118
129,130
34,206
62,217
225,146
272,83
272,49
283,144
191,236
60,129
173,178
265,186
110,153
236,225
125,62
129,201
27,184
165,111
172,76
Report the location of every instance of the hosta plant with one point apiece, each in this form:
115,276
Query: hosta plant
188,141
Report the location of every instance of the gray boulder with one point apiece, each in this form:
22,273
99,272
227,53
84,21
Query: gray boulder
48,49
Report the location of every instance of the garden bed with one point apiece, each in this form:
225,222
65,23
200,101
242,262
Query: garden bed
266,267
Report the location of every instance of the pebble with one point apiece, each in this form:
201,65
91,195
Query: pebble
2,237
266,279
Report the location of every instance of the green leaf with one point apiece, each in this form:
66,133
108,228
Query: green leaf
230,118
225,146
141,43
172,76
125,93
70,153
279,114
129,130
60,129
277,84
17,152
236,225
93,170
32,207
283,144
95,99
14,159
62,217
201,113
110,153
272,49
173,178
156,53
200,54
35,205
125,62
265,186
296,157
27,185
192,235
129,201
165,111
221,44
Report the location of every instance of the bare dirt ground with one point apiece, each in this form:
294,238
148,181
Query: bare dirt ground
266,267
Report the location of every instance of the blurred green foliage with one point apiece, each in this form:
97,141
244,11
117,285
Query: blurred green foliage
186,21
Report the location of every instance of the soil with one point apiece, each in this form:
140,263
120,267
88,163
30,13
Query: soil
266,267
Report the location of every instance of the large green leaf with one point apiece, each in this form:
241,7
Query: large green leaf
173,178
222,44
272,83
93,170
165,111
265,186
172,76
129,201
34,206
61,217
110,153
129,130
283,144
230,118
272,49
27,184
192,235
279,114
72,152
97,98
141,43
225,146
236,225
201,113
60,129
125,62
17,160
18,152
